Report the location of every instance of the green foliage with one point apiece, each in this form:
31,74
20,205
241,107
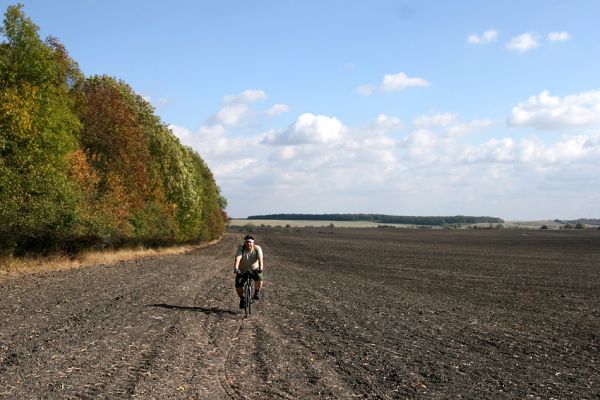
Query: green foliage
38,130
87,160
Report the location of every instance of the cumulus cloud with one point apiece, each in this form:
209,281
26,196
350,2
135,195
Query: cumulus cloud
524,42
400,81
450,124
385,123
240,109
485,38
547,112
248,96
558,36
439,119
423,145
521,43
309,128
277,109
231,114
179,132
533,151
393,83
474,126
236,108
433,162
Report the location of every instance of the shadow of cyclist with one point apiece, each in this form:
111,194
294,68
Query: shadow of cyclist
204,310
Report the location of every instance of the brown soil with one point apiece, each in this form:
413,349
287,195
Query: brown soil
357,313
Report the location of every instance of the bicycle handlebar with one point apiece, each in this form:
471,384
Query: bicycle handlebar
251,272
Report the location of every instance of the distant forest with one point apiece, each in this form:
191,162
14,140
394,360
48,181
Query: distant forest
85,162
589,221
381,218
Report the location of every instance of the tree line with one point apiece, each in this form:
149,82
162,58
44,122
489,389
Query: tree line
382,218
84,161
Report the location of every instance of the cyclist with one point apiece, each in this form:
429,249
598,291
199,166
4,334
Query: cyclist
249,257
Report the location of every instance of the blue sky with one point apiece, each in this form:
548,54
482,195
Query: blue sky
395,107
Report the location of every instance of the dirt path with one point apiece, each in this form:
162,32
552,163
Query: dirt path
346,314
156,328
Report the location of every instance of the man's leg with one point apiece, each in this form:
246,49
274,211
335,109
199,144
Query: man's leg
239,288
257,285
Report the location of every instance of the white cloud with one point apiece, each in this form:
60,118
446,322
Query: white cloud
558,36
179,131
384,123
238,110
423,146
248,96
475,126
450,124
524,42
439,119
495,150
231,114
428,166
547,112
393,83
534,152
277,109
400,81
310,128
487,37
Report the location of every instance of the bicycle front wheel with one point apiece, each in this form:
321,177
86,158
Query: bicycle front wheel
248,297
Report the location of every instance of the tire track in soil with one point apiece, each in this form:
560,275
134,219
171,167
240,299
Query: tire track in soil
282,359
124,385
194,364
224,339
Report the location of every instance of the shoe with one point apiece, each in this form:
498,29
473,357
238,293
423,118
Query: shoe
256,296
242,303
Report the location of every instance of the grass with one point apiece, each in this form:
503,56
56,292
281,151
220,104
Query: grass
14,266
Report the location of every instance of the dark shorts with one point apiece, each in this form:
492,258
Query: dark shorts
240,278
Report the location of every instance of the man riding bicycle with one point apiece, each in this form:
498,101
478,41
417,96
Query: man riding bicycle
249,257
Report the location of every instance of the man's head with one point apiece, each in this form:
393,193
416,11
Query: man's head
249,242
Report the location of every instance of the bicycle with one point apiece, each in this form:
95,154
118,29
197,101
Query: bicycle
248,290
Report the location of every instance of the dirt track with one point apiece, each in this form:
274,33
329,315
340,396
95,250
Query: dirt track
346,314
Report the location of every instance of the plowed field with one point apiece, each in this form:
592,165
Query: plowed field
345,314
